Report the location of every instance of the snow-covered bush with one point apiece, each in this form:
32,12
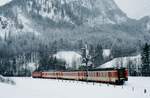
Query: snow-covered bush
6,80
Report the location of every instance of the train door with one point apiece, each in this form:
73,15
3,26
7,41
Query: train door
109,76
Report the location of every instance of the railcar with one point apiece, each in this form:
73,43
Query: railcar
109,75
37,74
50,75
116,76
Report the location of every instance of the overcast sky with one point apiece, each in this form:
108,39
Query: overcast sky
135,8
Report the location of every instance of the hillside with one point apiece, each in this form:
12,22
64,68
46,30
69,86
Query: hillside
78,19
123,62
3,2
31,30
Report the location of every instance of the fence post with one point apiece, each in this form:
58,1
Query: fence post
145,91
132,88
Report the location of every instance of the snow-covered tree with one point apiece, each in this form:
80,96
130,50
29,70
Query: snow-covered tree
146,60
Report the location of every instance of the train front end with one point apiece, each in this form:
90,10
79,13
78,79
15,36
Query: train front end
122,75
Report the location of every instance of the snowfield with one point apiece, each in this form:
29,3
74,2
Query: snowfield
70,57
47,88
3,2
6,80
116,62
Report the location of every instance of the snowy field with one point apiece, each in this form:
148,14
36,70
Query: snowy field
46,88
3,2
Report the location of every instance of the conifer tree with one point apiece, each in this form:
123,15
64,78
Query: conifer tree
146,60
98,59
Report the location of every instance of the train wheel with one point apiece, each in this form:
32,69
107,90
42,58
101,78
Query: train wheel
121,82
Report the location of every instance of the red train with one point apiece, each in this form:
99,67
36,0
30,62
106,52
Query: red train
111,75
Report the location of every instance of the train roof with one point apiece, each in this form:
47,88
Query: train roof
100,69
105,69
96,69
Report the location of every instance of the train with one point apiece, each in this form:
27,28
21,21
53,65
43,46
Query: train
116,76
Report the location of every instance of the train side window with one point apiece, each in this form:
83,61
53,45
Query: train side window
42,73
113,74
110,74
96,74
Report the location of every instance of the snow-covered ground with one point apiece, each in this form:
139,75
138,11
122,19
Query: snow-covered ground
117,62
72,58
6,80
106,53
46,88
3,2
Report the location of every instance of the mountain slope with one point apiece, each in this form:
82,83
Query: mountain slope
30,29
90,21
3,2
70,11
